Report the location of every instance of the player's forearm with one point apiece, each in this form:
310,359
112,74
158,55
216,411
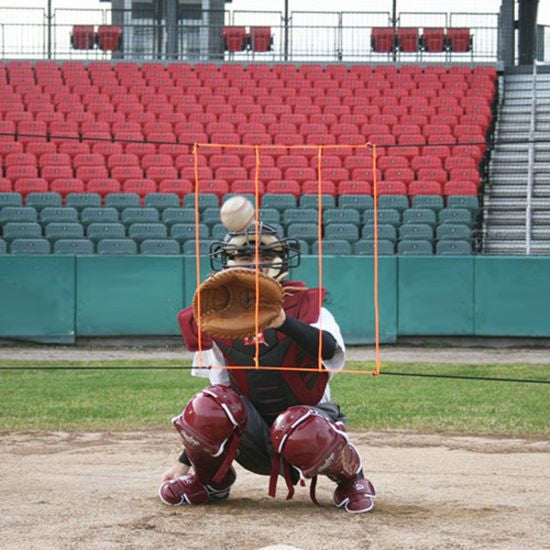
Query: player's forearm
307,337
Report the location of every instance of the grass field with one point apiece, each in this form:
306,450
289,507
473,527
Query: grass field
149,397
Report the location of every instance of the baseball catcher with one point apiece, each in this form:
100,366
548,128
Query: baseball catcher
272,422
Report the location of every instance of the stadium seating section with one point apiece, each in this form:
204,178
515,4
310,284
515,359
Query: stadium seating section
97,158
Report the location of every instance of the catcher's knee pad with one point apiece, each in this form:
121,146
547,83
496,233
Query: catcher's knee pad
187,489
313,444
211,426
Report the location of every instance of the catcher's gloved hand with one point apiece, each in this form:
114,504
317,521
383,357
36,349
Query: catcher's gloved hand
228,299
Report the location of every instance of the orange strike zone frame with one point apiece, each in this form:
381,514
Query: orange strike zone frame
320,150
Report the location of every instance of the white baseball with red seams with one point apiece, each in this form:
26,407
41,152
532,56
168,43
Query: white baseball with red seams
237,213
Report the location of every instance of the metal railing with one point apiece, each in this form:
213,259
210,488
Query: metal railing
306,36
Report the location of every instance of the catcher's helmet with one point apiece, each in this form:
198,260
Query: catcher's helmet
277,253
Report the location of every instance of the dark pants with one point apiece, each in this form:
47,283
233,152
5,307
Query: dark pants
256,451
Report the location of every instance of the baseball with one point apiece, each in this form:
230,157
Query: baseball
237,213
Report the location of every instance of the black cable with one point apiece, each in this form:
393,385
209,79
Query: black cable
388,373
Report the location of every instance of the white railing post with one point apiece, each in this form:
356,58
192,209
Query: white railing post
531,163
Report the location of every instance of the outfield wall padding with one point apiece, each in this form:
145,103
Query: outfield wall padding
37,298
57,298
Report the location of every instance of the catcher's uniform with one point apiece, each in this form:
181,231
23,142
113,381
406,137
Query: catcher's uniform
270,392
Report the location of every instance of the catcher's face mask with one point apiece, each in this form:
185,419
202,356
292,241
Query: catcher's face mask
277,254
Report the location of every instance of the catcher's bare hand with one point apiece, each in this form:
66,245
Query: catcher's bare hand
279,320
174,472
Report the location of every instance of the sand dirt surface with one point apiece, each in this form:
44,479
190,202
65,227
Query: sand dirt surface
405,354
98,490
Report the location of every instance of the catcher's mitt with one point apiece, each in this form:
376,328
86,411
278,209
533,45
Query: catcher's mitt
228,301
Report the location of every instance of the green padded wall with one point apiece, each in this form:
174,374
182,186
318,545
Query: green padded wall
128,295
350,298
435,295
190,276
37,298
512,296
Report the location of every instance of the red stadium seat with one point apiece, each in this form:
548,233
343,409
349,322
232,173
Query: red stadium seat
109,37
460,188
433,40
17,172
406,175
66,186
139,186
260,39
86,173
50,173
407,39
215,186
24,186
382,39
19,159
234,38
466,174
432,174
103,186
160,173
452,163
123,173
284,187
424,188
83,37
179,187
391,188
392,161
311,187
354,188
5,185
459,40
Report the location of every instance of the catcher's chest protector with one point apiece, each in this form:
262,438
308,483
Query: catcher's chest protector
271,391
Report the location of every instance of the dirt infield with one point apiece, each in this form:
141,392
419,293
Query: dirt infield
98,490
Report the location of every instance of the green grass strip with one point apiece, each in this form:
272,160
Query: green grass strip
148,398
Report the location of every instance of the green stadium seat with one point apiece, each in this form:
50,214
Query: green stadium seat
204,247
342,231
160,201
3,247
464,201
341,215
219,231
420,215
18,214
415,247
76,247
453,231
280,202
300,215
182,232
54,214
453,248
397,202
209,216
30,246
386,232
139,215
21,230
270,216
10,199
143,231
312,201
160,247
359,202
416,231
455,215
434,202
333,247
308,232
110,231
390,216
171,216
83,200
304,247
43,200
365,247
55,231
92,214
206,200
117,247
121,201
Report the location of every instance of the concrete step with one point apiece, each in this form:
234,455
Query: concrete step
492,202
